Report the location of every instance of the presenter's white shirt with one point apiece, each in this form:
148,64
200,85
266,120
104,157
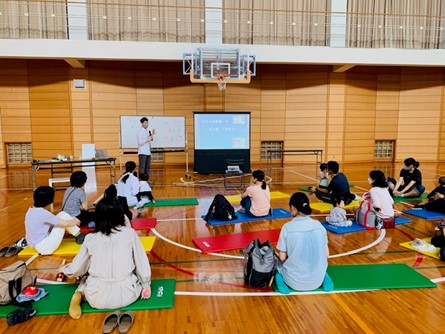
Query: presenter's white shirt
144,147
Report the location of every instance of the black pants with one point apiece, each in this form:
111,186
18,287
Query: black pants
437,205
144,194
123,201
85,217
329,198
144,164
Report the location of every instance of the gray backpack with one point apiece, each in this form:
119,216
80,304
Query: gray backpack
260,261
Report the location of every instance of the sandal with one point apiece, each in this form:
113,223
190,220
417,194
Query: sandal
126,320
110,322
13,250
20,315
4,250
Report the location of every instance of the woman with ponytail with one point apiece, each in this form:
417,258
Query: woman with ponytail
303,250
410,181
128,184
256,199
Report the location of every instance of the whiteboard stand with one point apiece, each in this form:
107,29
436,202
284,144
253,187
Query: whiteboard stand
187,175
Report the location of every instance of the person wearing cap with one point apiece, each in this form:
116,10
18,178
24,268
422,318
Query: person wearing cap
112,264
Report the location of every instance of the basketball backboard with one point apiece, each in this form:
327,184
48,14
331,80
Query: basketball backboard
219,66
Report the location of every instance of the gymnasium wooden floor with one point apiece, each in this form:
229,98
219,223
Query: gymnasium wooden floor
210,296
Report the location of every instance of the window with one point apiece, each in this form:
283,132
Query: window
384,149
19,153
266,146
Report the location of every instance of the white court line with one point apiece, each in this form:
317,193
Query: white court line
354,251
260,294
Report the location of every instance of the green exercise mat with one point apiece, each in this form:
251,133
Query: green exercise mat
173,202
376,276
306,189
59,295
410,199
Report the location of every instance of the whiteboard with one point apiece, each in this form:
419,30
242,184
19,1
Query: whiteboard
170,131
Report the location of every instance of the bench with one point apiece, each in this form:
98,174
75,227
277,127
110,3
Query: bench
58,180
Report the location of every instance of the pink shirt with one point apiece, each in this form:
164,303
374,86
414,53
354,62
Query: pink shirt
380,198
260,199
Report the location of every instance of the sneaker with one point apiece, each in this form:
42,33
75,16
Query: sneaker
241,210
153,201
80,238
379,225
22,243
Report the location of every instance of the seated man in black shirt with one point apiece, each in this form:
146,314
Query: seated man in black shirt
338,187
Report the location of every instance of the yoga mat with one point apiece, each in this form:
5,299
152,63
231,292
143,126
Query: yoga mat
357,228
69,247
57,300
323,207
409,199
434,254
136,223
306,189
342,230
273,195
242,217
375,276
234,241
172,202
425,214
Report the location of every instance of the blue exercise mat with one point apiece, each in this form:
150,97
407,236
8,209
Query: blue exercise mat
425,214
242,217
356,227
342,230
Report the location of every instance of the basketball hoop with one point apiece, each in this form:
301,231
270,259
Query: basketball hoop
221,80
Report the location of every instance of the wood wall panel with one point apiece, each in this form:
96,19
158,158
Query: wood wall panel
305,106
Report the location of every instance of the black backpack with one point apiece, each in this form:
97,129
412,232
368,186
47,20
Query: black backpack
260,262
220,209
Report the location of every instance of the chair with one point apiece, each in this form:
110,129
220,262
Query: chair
234,172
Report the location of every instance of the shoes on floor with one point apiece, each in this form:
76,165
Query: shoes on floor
111,322
125,321
22,243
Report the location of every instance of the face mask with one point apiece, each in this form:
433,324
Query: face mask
370,180
406,167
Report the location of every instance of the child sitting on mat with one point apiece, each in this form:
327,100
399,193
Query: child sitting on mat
436,198
324,177
337,215
145,195
44,230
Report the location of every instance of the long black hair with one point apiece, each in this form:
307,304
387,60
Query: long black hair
109,216
259,175
300,202
130,166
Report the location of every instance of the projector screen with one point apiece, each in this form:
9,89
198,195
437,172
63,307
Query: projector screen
222,131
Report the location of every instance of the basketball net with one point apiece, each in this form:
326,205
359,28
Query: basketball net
221,80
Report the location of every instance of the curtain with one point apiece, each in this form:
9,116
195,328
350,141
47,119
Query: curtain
147,20
410,24
33,19
284,22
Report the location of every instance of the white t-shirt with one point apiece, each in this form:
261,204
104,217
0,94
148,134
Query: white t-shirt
144,186
38,222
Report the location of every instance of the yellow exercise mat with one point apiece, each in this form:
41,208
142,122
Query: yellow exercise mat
69,247
323,207
434,254
273,195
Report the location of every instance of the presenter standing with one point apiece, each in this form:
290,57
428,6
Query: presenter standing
145,137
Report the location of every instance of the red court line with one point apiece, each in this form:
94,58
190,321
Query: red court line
420,256
189,273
